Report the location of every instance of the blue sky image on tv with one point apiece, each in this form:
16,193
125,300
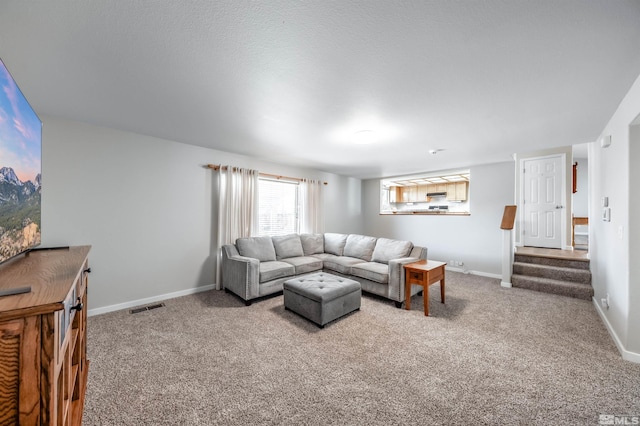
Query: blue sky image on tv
20,170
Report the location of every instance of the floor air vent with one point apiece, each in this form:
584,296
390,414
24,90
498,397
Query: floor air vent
146,308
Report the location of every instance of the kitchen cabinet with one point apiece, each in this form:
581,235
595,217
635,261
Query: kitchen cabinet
436,187
408,194
457,191
393,191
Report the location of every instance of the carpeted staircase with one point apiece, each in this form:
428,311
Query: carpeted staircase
567,277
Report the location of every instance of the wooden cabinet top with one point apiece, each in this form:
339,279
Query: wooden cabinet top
50,273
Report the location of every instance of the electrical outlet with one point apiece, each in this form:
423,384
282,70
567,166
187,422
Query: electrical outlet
605,302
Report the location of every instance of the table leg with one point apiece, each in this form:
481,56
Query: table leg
425,299
442,289
407,291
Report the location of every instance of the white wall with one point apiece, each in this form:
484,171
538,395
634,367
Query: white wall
476,239
580,200
613,171
633,342
145,205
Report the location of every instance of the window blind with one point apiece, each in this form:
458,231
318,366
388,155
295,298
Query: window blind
278,207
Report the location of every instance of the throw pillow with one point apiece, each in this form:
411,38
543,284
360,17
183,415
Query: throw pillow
360,246
387,250
287,246
312,244
334,243
260,248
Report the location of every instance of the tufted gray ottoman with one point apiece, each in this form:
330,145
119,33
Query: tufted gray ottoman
321,297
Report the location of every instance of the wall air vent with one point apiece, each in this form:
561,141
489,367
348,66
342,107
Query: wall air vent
146,308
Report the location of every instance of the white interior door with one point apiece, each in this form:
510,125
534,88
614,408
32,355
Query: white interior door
543,206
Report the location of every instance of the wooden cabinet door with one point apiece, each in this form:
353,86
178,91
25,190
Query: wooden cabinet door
461,191
422,193
451,191
20,371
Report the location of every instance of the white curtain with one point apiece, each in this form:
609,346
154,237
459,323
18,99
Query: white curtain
237,208
311,217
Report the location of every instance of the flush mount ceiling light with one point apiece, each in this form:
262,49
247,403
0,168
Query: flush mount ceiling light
364,137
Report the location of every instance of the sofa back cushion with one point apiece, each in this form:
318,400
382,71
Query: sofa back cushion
312,244
387,250
260,248
334,243
359,246
287,246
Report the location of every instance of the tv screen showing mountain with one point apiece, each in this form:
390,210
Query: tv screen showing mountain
20,170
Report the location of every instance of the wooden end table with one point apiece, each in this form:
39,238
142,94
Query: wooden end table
424,273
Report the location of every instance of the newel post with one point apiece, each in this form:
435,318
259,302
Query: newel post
508,220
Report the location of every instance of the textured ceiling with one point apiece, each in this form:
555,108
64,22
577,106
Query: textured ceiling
291,81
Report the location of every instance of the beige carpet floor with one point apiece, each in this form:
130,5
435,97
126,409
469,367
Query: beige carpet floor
490,356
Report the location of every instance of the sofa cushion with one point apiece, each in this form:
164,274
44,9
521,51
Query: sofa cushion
275,269
287,246
312,243
334,243
324,256
341,264
359,246
304,264
260,248
387,250
372,271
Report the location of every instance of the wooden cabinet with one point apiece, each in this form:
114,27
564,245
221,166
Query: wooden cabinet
457,191
43,346
412,194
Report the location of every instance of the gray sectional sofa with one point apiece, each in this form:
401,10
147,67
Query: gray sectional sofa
258,266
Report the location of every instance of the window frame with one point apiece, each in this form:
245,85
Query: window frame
293,213
391,205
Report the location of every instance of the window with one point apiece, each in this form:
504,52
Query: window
278,207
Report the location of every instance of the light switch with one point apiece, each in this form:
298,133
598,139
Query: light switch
621,232
606,214
605,201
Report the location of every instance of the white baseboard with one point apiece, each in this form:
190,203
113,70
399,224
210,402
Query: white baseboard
505,284
147,300
479,273
626,355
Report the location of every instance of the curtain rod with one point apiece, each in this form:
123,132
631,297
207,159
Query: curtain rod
218,167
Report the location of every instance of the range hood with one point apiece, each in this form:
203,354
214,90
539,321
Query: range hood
436,194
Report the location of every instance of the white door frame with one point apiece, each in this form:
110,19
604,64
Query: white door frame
563,197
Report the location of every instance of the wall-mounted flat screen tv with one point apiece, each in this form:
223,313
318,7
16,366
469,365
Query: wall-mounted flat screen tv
20,170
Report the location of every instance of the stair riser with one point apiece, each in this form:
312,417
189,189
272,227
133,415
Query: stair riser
585,293
565,274
564,263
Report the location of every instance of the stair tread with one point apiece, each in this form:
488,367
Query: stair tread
551,281
576,264
549,285
554,267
